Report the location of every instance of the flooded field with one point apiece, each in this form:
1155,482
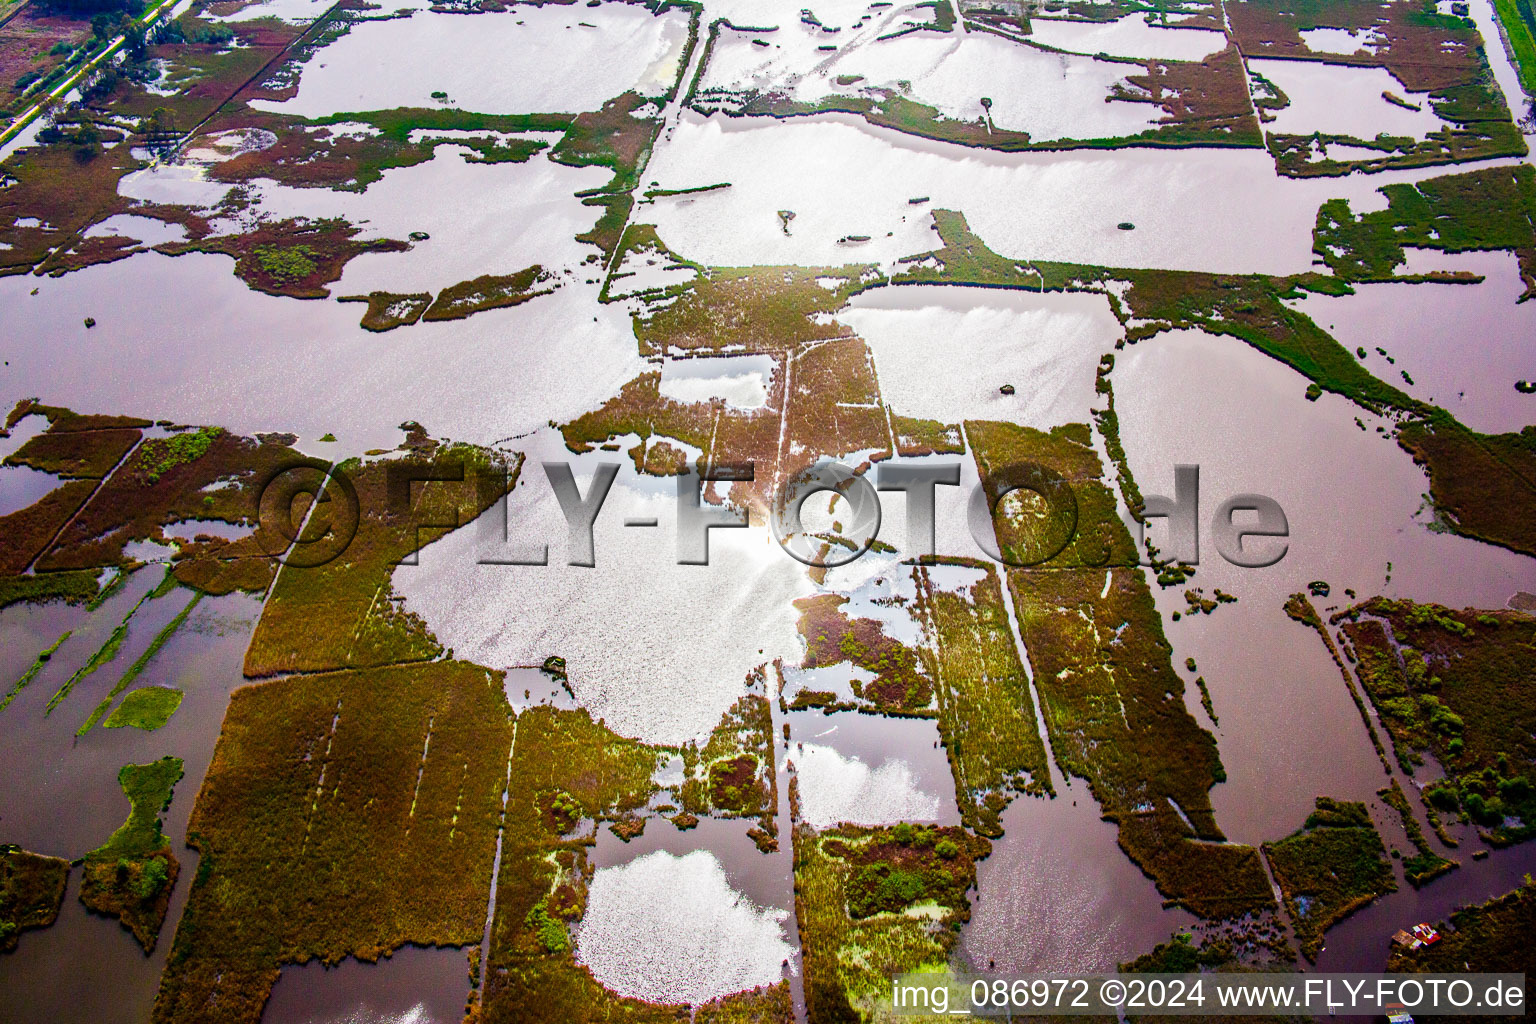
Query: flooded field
403,62
1193,209
685,511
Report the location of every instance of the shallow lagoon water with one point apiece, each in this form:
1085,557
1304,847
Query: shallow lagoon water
48,980
1362,942
561,65
658,650
414,986
765,879
1338,100
1130,36
631,940
740,381
20,486
295,11
1193,209
1049,95
275,364
1464,345
500,219
1289,730
1057,894
1338,40
308,367
836,789
943,353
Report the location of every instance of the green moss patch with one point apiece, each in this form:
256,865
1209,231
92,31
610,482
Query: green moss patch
1331,867
726,436
966,259
146,708
873,902
641,409
130,877
1180,956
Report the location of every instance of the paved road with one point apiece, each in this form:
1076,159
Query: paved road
27,116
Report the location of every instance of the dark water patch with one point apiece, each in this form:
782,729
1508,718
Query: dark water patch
1362,942
414,986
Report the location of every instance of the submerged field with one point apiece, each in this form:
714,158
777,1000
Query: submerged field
399,405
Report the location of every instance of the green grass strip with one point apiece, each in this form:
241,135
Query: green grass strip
106,653
37,666
143,660
1520,30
